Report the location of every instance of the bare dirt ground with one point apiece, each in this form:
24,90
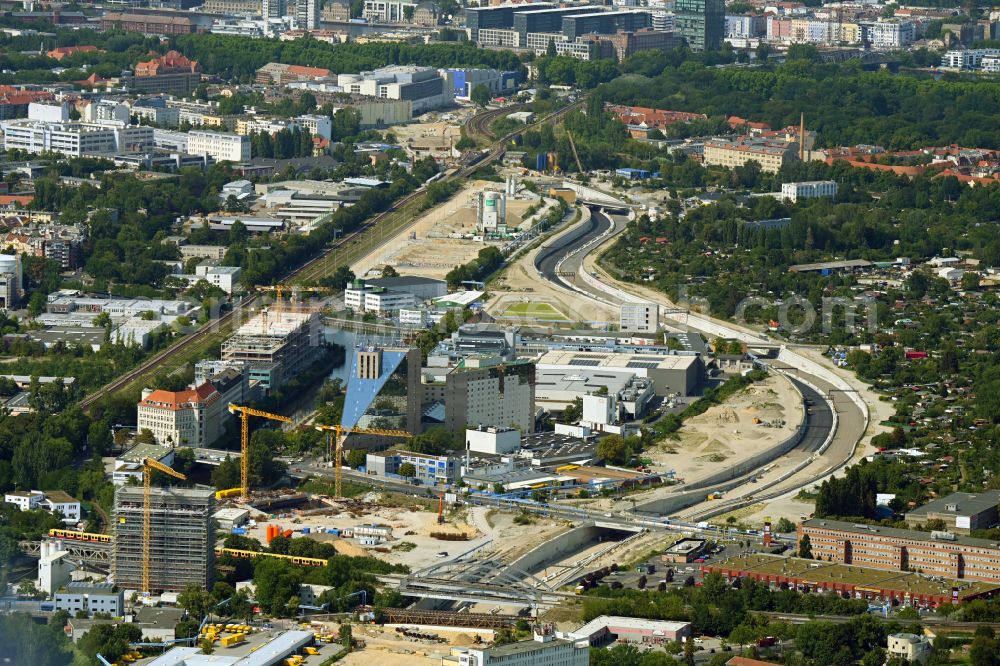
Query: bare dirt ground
424,247
412,543
728,432
774,510
386,646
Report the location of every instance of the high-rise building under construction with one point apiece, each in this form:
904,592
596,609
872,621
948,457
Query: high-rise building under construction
182,538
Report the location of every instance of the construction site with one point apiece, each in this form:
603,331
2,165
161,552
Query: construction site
277,344
180,541
453,233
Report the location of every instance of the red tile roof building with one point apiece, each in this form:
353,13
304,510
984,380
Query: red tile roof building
182,418
172,73
14,101
62,51
641,120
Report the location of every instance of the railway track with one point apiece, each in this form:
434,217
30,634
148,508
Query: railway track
308,270
479,125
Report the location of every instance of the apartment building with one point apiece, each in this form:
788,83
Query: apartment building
967,58
14,102
74,139
321,126
808,190
731,153
889,34
942,554
307,14
181,543
221,146
191,417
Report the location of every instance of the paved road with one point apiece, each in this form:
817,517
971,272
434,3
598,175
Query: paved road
850,425
820,419
549,257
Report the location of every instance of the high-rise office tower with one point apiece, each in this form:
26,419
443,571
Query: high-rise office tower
307,14
701,22
273,8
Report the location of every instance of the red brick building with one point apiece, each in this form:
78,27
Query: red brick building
932,553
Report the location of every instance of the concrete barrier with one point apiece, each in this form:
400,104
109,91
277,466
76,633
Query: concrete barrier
558,547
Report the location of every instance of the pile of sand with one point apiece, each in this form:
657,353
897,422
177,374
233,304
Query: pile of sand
347,548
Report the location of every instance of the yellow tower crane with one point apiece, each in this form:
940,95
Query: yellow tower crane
245,414
147,515
339,433
293,289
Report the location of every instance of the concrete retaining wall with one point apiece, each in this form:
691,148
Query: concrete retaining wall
558,547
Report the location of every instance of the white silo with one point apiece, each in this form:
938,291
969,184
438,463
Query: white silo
493,212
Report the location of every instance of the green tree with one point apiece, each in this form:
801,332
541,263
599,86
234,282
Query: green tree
196,601
614,449
481,96
785,526
356,458
689,652
389,271
346,636
805,547
407,470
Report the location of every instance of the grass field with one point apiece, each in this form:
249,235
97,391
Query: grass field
534,311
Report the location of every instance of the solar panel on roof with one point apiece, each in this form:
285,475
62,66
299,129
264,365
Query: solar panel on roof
590,362
642,364
648,358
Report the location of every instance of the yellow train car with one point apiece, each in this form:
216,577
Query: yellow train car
74,535
252,554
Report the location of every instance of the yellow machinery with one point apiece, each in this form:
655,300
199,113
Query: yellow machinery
293,289
147,515
339,433
245,414
228,492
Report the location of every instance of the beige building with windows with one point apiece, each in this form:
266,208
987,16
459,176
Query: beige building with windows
731,153
182,418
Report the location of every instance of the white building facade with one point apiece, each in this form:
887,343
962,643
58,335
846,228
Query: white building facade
75,139
221,146
808,190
